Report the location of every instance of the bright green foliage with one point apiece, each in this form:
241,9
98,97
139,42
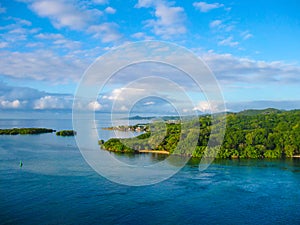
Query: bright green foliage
15,131
66,133
255,134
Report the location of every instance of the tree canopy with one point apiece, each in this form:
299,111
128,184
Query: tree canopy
266,133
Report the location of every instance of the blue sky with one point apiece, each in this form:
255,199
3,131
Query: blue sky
252,47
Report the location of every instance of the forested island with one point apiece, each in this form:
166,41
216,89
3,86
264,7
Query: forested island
16,131
268,133
66,133
25,131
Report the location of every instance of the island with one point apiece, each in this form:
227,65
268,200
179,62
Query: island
33,131
137,117
16,131
253,134
65,133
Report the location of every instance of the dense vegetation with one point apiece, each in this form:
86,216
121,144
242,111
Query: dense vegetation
266,133
15,131
66,133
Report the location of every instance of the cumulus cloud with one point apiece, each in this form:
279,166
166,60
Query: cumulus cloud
94,106
107,32
206,7
52,102
28,98
169,19
208,107
4,104
124,94
110,10
78,16
65,14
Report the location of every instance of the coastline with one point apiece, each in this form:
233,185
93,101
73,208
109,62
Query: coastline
154,151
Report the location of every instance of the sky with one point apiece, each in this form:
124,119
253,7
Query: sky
252,48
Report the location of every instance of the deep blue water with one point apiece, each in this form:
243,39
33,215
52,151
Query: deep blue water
56,186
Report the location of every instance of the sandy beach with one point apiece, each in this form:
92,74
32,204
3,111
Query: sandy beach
155,151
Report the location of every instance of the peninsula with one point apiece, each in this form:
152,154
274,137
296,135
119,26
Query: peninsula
268,133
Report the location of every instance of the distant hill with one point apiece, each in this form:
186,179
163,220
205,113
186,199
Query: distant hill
137,117
141,117
253,112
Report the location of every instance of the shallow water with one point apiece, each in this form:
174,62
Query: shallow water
56,186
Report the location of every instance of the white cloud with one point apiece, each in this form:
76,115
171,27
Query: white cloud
169,19
10,104
206,7
203,106
100,2
63,13
16,33
57,40
221,27
149,103
124,94
107,32
65,43
228,42
110,10
41,65
3,44
124,108
49,36
94,106
207,107
231,69
52,102
12,97
141,35
19,21
76,15
145,3
215,23
246,35
35,45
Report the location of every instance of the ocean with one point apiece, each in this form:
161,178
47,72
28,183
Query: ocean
56,186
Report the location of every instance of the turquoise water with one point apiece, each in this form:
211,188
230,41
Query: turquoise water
56,186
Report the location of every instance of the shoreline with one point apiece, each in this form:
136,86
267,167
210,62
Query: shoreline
164,152
154,151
